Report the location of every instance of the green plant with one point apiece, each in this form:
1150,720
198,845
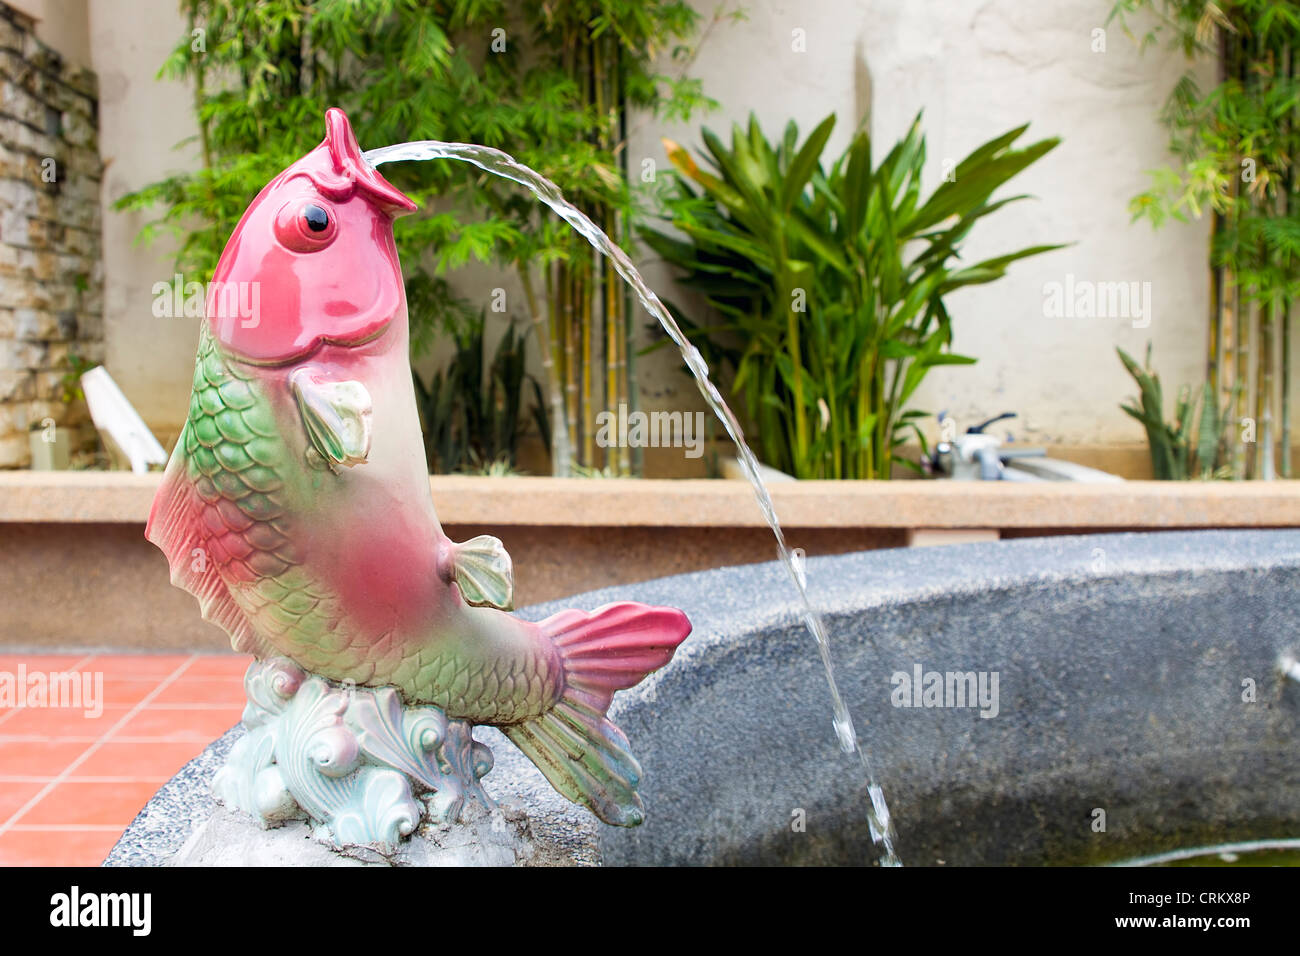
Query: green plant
473,417
829,283
550,83
70,383
478,429
1190,445
497,468
1234,148
580,471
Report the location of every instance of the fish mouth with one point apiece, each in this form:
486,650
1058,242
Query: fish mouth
354,340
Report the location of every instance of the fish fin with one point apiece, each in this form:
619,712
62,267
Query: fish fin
577,748
485,573
585,758
335,414
171,519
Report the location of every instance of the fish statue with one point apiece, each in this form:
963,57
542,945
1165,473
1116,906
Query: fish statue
296,506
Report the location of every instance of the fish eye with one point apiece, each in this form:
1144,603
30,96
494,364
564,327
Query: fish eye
317,219
306,226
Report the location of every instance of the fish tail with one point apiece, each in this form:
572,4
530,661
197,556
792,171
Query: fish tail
585,756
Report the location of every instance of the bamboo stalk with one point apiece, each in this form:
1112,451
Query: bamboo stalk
545,347
1286,304
1285,455
1242,455
582,293
1214,361
1225,335
1265,461
631,461
1242,460
1217,331
1264,455
563,291
588,367
564,465
571,357
603,273
612,396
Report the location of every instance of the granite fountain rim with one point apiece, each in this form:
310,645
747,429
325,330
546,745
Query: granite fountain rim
882,579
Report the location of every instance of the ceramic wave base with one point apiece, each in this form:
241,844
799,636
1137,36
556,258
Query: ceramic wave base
361,765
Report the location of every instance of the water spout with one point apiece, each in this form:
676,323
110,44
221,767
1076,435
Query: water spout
501,164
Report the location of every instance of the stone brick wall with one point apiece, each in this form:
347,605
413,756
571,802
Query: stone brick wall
51,304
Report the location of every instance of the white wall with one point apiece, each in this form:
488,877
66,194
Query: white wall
141,119
977,68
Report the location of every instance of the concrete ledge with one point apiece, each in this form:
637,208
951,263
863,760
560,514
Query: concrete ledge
78,572
123,498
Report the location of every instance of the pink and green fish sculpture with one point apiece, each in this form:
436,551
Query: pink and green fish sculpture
296,505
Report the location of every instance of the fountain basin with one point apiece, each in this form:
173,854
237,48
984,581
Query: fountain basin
1139,709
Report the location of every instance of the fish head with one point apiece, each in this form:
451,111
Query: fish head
313,258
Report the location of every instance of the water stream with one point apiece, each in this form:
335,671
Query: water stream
500,164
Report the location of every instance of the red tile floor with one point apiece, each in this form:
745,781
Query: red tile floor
71,782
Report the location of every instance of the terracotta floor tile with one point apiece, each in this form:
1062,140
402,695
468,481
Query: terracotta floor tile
38,759
127,693
114,804
14,795
220,666
181,725
155,760
136,666
214,692
198,706
40,662
55,847
60,722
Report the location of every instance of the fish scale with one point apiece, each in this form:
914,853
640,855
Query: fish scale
236,464
238,467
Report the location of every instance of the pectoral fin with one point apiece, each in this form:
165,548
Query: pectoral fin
336,416
485,573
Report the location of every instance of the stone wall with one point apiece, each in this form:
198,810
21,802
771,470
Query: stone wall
51,306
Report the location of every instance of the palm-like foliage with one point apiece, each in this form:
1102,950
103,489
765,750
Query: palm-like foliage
829,283
473,416
1186,447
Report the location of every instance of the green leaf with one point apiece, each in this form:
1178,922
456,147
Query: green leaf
827,389
804,164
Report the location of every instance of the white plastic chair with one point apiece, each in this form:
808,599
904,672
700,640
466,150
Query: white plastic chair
117,418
